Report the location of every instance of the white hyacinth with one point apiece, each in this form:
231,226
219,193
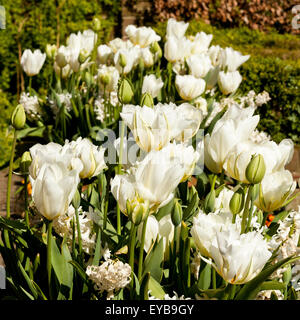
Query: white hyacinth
31,106
110,276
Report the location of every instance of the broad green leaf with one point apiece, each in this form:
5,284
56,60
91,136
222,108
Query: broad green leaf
145,286
167,209
252,288
153,262
272,285
204,277
28,280
155,289
190,209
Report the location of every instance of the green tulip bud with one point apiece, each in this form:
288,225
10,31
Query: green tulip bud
122,61
83,55
176,214
141,65
96,24
147,100
105,79
254,192
89,78
236,203
25,162
76,200
125,92
18,117
209,202
256,169
51,51
156,50
137,210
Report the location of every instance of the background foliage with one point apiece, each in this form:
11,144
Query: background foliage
32,24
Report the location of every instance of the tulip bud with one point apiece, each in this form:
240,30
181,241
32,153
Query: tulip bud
209,202
137,210
236,203
96,24
83,55
125,92
122,60
156,50
25,162
105,79
141,65
51,51
176,214
256,169
147,100
88,78
76,200
254,192
18,117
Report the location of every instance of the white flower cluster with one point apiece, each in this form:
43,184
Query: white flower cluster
63,227
31,106
99,105
110,276
64,99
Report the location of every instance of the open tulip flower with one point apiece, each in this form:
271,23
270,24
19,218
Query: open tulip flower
150,179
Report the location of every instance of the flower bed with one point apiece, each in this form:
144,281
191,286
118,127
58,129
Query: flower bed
145,176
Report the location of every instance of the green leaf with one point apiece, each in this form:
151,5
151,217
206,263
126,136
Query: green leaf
62,268
190,209
272,285
28,281
167,209
204,277
155,289
145,286
252,288
154,261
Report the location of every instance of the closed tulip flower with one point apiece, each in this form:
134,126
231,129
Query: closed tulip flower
189,87
131,56
236,125
104,53
32,62
201,42
199,65
62,56
229,82
276,188
91,157
152,85
176,28
177,49
112,75
54,188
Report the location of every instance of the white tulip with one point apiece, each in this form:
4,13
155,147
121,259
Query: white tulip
238,258
142,36
189,87
177,49
276,188
62,56
112,74
131,55
32,62
91,156
215,54
206,226
199,65
229,82
201,42
223,199
119,44
154,127
154,179
147,57
104,52
152,85
275,157
63,72
236,125
85,40
176,28
152,229
54,189
232,59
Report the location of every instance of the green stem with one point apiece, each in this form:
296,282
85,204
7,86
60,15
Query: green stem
214,278
11,162
78,233
131,246
30,85
49,263
141,256
26,200
246,210
213,182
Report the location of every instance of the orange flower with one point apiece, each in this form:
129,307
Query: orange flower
269,220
